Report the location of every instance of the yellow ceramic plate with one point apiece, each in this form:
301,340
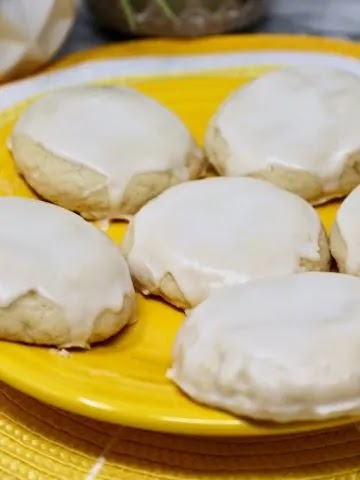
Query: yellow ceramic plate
123,381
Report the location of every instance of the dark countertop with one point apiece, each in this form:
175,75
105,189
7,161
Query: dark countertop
340,18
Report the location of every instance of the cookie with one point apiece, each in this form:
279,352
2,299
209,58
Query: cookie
345,235
206,234
297,127
282,349
102,151
63,282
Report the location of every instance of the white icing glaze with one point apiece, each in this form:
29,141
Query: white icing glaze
304,118
51,251
286,348
348,222
222,231
116,131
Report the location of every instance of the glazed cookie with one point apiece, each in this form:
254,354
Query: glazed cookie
102,151
63,281
297,127
205,234
282,349
345,235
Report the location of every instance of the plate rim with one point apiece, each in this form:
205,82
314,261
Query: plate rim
167,426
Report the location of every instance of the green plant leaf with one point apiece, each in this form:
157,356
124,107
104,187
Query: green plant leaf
128,12
166,9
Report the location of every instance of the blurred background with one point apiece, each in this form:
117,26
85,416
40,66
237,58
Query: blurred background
33,32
